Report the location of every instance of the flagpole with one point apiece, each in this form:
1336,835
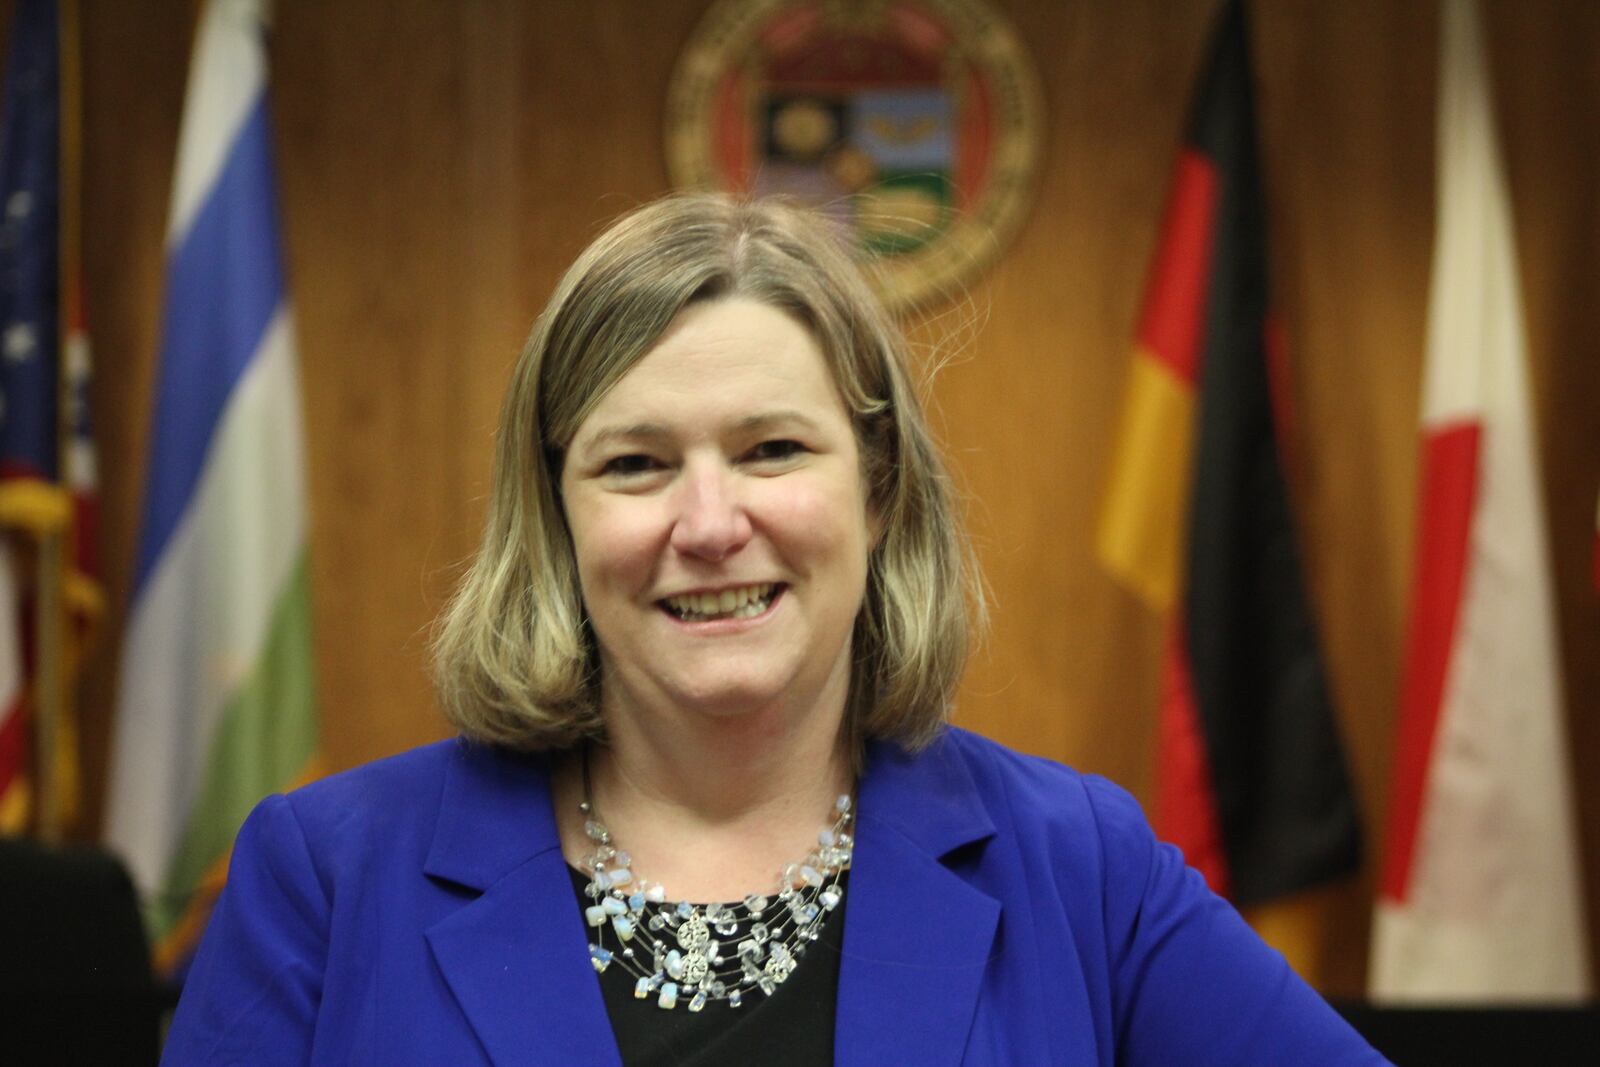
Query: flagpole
54,550
47,684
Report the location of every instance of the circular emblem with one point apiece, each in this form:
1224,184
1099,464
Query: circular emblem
915,122
693,935
694,969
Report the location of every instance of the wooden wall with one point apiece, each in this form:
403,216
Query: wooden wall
441,162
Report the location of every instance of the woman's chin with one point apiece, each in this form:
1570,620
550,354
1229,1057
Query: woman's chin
763,703
731,701
771,691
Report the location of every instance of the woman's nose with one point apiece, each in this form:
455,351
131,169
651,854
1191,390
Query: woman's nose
711,522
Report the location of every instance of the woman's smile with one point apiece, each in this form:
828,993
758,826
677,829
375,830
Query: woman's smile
741,603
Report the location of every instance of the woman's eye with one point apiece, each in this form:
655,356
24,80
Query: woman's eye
770,451
625,465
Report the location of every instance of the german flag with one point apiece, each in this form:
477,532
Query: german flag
1251,776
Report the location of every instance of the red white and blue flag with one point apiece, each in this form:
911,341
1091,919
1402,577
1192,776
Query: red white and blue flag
47,468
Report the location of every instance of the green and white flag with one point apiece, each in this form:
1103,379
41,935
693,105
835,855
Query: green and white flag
216,705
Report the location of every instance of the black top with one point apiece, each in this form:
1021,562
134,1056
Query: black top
791,1028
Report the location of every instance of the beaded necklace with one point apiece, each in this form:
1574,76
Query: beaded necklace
706,952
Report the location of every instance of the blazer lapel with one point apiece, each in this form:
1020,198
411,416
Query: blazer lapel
917,937
516,958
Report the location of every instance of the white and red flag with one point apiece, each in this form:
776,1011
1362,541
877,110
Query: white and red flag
1479,897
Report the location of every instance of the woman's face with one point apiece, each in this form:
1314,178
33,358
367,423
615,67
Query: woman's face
721,527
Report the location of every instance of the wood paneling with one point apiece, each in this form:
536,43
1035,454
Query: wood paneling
442,162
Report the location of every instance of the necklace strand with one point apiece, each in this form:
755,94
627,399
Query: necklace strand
706,952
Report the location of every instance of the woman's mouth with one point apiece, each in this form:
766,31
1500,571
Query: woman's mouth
743,602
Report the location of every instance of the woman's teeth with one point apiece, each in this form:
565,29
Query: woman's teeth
743,603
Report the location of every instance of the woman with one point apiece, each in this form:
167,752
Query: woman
701,667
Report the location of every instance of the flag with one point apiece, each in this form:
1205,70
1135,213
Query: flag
216,703
47,469
1251,779
1479,895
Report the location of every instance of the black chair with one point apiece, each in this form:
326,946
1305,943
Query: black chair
1468,1037
75,981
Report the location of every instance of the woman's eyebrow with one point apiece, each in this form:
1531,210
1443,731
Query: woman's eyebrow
652,432
766,420
628,434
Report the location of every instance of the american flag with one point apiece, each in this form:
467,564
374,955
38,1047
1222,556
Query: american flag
47,473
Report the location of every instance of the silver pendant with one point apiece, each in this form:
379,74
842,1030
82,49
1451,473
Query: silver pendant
693,934
694,970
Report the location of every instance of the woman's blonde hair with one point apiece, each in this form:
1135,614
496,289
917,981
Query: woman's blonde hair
515,661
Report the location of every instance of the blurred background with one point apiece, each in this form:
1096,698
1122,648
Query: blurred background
441,163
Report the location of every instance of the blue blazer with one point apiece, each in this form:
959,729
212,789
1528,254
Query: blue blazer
1002,909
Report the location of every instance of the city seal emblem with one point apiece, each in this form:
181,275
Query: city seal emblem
915,122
